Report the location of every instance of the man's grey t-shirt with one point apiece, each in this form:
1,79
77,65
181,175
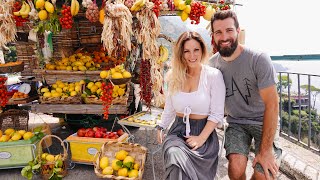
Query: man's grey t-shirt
243,78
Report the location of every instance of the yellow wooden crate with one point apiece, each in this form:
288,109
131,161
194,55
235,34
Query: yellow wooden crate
83,149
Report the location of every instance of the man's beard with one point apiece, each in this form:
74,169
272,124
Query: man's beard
227,51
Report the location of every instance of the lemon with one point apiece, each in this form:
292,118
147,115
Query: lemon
44,155
50,158
47,94
121,155
55,94
39,4
17,136
65,89
59,90
187,9
73,93
43,15
82,68
21,132
114,165
123,172
99,91
107,171
77,88
54,86
75,68
122,85
9,131
104,162
69,68
133,173
61,85
49,7
136,166
126,74
117,75
0,133
90,84
182,5
71,89
94,88
128,159
27,135
104,74
72,85
114,94
98,83
43,90
82,82
4,138
112,70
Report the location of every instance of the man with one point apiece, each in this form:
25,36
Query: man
252,104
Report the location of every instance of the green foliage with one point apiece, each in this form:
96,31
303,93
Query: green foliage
11,56
284,82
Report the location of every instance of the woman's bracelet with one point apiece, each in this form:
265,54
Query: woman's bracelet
159,127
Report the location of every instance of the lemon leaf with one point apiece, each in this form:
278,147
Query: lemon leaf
119,163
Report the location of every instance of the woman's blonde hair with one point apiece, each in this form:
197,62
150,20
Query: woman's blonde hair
177,75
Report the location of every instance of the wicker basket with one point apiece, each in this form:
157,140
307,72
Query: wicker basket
47,168
93,39
59,100
120,81
17,67
109,150
14,118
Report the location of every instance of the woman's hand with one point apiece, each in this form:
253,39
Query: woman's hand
160,136
195,142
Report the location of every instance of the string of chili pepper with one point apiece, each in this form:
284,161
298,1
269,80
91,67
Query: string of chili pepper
145,82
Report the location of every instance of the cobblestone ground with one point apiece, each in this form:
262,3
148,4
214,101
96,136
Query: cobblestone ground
85,172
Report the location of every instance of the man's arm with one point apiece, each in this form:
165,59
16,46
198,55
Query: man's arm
265,156
270,98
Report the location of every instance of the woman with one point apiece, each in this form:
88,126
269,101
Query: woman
195,101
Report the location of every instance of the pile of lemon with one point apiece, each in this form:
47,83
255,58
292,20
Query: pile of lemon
117,72
123,165
15,135
76,62
63,89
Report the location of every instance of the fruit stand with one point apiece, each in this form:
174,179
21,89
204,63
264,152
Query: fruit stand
92,57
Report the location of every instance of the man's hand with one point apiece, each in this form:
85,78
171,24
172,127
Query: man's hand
268,162
195,142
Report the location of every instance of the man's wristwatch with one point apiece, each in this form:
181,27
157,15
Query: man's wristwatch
159,127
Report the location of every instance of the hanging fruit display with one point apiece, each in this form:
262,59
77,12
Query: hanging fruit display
92,13
156,7
106,98
197,10
3,91
75,7
17,9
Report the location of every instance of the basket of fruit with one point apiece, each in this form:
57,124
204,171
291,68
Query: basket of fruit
61,93
14,118
53,165
12,67
120,94
120,161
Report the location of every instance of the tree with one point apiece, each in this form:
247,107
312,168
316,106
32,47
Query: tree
284,82
314,92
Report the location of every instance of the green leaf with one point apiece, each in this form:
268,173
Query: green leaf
29,175
36,167
37,129
59,163
119,163
179,13
128,165
188,2
87,91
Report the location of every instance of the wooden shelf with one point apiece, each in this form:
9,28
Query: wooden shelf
24,101
77,108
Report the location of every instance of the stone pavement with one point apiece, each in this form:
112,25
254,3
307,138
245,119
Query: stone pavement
298,163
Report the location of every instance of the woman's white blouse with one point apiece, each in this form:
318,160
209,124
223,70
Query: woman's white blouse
207,100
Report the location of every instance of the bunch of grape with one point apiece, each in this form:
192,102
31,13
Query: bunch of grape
66,19
106,98
3,91
197,10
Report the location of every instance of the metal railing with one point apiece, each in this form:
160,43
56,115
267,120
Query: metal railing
308,125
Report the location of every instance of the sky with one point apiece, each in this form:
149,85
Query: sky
281,27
